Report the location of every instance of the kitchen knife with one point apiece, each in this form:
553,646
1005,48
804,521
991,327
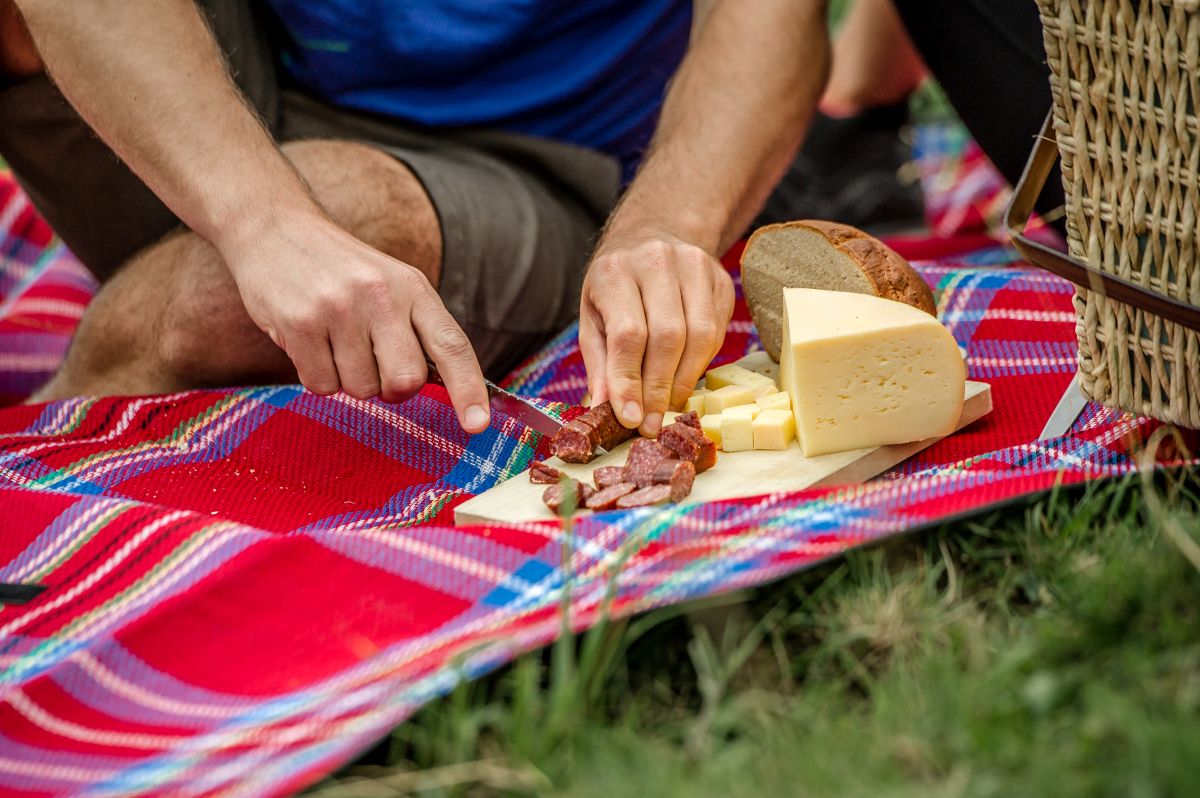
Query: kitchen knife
1069,407
510,404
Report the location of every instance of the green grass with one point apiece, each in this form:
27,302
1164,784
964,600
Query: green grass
1050,650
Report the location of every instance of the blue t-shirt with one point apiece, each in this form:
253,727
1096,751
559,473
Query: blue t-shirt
588,72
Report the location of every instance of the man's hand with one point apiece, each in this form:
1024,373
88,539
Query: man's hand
655,301
352,318
653,314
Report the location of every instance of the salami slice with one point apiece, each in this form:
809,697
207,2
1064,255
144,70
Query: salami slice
542,474
579,438
610,432
689,443
606,499
691,418
607,476
678,475
645,497
554,495
573,443
644,457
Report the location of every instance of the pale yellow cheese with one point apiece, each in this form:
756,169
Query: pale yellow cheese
761,363
774,429
733,374
865,371
695,402
775,401
710,425
737,428
728,396
669,417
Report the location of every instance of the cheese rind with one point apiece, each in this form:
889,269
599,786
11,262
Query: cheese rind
774,429
865,371
727,396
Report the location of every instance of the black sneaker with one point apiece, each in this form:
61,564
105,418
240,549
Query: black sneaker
852,170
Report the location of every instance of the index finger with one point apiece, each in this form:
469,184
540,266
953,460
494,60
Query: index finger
447,345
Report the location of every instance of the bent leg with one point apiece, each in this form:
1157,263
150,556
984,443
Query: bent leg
172,318
988,57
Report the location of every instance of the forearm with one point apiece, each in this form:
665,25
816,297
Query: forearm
149,78
733,119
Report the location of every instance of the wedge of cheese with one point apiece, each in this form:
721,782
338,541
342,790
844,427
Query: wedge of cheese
865,371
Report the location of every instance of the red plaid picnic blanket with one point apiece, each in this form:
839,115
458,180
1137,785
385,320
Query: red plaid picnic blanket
243,589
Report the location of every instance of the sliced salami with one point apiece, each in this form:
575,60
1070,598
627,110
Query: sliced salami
691,418
678,475
606,499
554,495
689,443
645,497
644,457
579,438
679,442
542,474
610,432
573,443
607,476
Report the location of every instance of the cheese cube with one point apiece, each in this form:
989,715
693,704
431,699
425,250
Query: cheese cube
774,429
695,402
669,417
710,425
737,428
761,363
865,371
733,374
728,396
779,401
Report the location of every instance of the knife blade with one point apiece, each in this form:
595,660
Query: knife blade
1068,409
510,404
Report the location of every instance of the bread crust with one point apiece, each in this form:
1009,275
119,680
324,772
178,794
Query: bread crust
891,275
878,269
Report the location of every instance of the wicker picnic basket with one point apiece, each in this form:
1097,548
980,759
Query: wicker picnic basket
1125,77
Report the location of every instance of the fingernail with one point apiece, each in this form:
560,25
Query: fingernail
652,422
633,412
477,417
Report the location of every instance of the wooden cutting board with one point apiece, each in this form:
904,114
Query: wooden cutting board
736,474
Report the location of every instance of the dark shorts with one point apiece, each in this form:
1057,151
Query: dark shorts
518,214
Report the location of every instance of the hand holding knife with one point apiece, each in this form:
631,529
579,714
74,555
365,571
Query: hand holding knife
510,404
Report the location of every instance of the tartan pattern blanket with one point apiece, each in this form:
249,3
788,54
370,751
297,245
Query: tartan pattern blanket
245,588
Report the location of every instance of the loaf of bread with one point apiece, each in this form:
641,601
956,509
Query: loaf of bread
824,255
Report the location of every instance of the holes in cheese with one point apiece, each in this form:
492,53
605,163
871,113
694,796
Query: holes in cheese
774,429
737,428
865,371
728,396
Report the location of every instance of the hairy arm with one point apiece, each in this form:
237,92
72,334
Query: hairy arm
656,301
150,80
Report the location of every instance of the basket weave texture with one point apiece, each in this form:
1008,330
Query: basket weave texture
1125,76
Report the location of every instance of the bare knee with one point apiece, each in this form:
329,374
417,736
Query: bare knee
375,197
